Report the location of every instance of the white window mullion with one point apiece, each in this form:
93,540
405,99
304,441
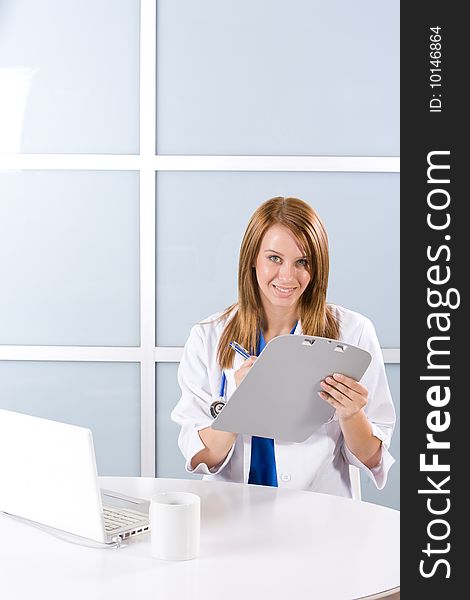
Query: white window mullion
161,354
69,162
350,164
147,234
129,162
70,353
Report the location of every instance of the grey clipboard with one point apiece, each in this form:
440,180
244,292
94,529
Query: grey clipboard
279,396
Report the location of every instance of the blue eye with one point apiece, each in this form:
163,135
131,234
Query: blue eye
275,258
303,262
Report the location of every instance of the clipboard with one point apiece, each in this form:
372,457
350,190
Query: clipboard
279,398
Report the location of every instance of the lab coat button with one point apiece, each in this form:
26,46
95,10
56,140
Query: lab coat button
285,477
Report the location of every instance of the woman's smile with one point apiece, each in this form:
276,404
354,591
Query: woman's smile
283,291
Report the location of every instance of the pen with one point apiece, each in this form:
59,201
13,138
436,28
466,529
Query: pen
236,346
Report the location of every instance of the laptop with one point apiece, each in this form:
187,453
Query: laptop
48,475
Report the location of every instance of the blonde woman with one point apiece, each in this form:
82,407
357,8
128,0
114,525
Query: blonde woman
282,285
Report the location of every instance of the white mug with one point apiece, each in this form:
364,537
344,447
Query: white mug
175,523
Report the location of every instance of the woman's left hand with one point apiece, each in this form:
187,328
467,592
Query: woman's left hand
345,394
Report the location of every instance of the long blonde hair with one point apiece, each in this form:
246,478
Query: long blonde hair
248,315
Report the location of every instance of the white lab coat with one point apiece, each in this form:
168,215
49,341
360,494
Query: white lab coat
321,463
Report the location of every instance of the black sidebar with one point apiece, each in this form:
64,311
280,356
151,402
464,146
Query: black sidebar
435,335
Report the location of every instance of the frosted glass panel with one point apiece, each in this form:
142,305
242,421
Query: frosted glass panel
277,77
390,495
104,397
170,461
69,75
201,218
69,258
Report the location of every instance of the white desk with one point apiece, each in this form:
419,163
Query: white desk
256,542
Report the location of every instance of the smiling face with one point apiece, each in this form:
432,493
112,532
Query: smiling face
281,269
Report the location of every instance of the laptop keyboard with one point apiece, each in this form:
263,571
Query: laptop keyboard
117,518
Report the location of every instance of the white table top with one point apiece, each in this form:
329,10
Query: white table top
256,542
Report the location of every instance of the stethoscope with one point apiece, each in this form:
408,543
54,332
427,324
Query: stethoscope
219,404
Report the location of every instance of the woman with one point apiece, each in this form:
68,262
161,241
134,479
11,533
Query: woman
282,284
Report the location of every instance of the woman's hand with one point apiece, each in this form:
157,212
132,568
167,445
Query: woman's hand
345,394
240,373
349,397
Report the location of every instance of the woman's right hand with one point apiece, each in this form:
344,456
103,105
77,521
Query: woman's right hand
240,373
